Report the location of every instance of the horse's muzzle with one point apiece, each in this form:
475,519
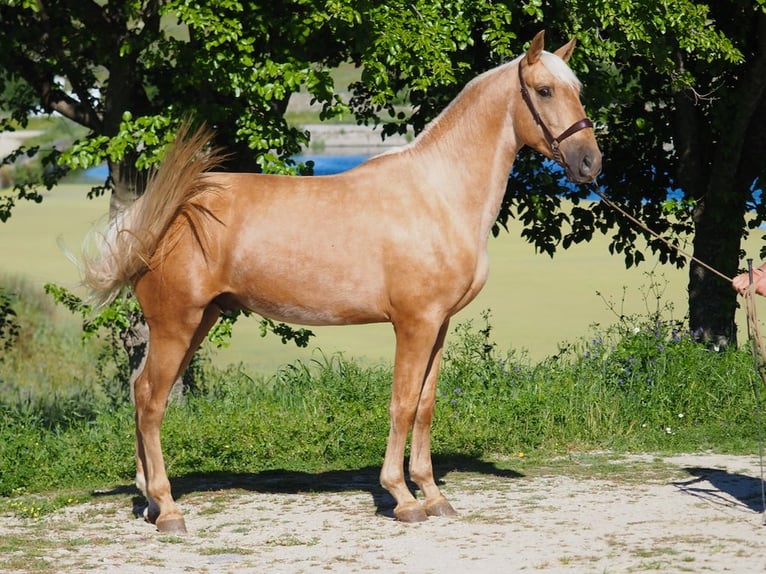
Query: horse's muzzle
584,165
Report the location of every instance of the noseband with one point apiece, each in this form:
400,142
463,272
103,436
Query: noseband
553,142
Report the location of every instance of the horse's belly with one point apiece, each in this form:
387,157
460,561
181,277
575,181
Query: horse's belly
325,315
288,302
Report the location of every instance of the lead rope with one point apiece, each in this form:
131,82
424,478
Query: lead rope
594,188
753,329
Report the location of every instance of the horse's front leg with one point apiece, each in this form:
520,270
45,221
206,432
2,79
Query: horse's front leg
414,351
421,467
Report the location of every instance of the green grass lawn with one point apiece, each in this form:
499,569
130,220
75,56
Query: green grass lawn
537,302
66,425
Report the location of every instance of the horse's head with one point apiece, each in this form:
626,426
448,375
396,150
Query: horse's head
550,117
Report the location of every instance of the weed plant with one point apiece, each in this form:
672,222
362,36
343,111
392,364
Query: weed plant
640,385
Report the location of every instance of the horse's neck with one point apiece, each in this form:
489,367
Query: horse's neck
471,146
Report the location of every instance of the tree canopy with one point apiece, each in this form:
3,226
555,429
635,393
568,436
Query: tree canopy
676,90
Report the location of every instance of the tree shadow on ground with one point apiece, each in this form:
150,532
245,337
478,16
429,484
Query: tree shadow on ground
333,481
718,486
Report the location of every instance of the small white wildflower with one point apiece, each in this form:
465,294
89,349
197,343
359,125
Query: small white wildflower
680,415
636,330
668,430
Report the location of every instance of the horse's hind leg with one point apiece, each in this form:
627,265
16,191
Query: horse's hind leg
172,344
421,468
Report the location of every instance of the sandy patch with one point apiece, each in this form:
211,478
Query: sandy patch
696,513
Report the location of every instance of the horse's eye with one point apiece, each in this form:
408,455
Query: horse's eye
545,92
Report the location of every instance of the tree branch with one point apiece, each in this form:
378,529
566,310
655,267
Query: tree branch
687,138
747,97
55,99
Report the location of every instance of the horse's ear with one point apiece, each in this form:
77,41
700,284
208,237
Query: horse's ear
536,48
565,52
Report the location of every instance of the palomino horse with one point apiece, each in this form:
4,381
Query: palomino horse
401,238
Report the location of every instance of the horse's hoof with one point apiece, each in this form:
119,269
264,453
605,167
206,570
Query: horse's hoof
440,507
413,512
171,526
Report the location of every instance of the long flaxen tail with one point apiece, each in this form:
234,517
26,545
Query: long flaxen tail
128,247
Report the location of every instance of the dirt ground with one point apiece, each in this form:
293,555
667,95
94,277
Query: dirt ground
695,513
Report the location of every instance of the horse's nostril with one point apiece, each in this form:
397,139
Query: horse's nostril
590,165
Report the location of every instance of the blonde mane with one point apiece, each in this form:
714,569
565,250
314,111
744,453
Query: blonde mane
554,64
442,123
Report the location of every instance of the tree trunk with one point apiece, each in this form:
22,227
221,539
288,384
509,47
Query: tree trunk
712,301
719,177
128,184
709,320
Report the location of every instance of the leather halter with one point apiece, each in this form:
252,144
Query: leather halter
553,142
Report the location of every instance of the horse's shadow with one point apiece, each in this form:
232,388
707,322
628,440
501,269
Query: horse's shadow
724,488
333,481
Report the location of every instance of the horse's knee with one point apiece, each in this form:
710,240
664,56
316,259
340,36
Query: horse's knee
402,414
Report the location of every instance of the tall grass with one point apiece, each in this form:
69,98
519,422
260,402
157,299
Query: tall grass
640,385
44,367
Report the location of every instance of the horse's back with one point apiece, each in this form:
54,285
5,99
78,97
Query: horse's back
290,248
349,248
